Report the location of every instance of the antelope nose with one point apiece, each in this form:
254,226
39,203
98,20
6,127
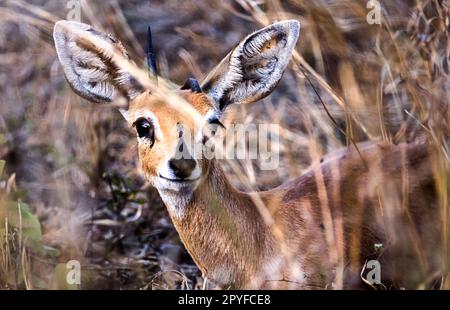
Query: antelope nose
182,168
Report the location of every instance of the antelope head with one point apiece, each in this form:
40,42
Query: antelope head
248,73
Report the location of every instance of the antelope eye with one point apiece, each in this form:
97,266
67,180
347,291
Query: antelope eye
145,129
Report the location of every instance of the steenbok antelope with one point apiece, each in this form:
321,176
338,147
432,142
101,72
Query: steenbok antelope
320,230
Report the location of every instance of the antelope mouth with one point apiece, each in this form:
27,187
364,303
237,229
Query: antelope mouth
181,181
179,186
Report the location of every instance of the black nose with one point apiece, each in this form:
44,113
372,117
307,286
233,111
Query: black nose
182,168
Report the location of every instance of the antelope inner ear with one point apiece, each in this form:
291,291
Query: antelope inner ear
88,58
193,85
253,69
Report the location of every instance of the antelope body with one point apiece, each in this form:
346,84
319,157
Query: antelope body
322,227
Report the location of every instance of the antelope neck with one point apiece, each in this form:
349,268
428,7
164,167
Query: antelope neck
222,230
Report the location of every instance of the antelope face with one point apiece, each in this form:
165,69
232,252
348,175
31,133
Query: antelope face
168,140
248,73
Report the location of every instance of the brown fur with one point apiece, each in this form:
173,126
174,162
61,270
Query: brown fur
168,117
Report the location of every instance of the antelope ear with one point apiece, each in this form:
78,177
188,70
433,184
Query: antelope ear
87,57
253,69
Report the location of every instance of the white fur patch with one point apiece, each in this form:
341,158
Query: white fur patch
175,195
222,276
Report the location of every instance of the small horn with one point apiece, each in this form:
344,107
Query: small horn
193,85
151,63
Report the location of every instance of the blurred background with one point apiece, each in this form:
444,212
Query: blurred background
70,185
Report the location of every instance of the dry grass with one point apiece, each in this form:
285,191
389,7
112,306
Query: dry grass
349,81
